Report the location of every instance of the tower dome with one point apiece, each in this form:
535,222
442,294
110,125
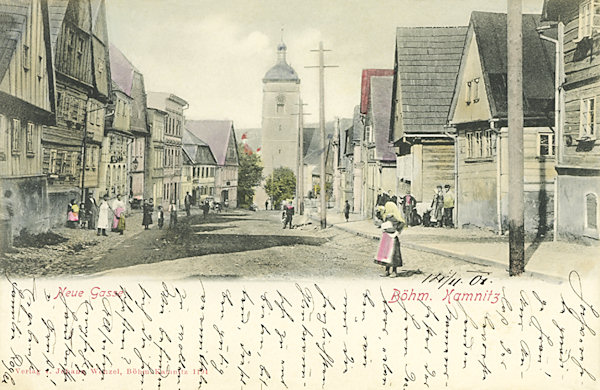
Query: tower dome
281,71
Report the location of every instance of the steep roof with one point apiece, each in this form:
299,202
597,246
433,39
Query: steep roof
158,100
381,106
13,22
560,10
538,64
216,133
121,69
365,85
428,59
56,14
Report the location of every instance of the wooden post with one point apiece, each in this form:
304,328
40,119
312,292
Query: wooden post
516,221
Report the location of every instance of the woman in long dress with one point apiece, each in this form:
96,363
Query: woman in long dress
103,216
147,219
389,253
119,215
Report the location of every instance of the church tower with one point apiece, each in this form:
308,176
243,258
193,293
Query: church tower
281,94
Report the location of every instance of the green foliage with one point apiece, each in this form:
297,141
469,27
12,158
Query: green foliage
281,185
249,176
328,190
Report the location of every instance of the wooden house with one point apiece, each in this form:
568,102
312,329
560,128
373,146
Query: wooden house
378,152
79,42
26,106
479,114
425,71
578,145
199,168
220,136
155,151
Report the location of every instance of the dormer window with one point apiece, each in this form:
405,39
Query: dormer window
589,18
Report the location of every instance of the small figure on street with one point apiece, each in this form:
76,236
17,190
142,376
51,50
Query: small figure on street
408,206
172,214
187,202
448,207
437,205
347,211
389,253
205,208
289,214
147,218
118,208
91,210
160,217
103,216
226,204
72,214
267,204
218,207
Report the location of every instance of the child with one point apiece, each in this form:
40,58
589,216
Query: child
161,217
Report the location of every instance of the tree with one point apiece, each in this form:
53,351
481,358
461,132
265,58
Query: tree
281,185
249,176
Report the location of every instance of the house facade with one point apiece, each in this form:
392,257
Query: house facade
578,148
26,107
199,169
425,71
173,106
79,43
479,114
379,172
220,137
155,151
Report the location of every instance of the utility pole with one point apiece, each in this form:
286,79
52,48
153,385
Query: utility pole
323,181
300,159
515,139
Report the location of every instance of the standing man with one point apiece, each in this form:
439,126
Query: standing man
289,214
91,210
437,205
187,203
172,214
103,216
347,211
205,207
409,207
267,204
448,206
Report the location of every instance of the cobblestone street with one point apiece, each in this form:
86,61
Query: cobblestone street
239,244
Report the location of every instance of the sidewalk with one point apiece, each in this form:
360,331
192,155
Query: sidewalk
547,259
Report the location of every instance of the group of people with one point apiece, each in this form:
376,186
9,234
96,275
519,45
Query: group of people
393,222
100,217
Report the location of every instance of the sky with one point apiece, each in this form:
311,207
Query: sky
214,53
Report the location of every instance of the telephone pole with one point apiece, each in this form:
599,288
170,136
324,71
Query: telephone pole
323,181
516,223
300,160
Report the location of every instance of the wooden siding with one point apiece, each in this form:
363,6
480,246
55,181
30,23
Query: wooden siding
27,77
438,168
74,53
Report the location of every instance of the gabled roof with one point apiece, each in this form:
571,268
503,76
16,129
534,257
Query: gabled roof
560,10
381,107
428,60
216,133
365,85
357,125
121,69
13,22
489,30
56,14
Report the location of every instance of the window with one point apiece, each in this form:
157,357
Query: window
52,162
40,70
80,47
15,136
589,18
546,145
591,211
469,86
368,134
476,90
587,119
469,145
489,144
26,57
478,144
29,140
